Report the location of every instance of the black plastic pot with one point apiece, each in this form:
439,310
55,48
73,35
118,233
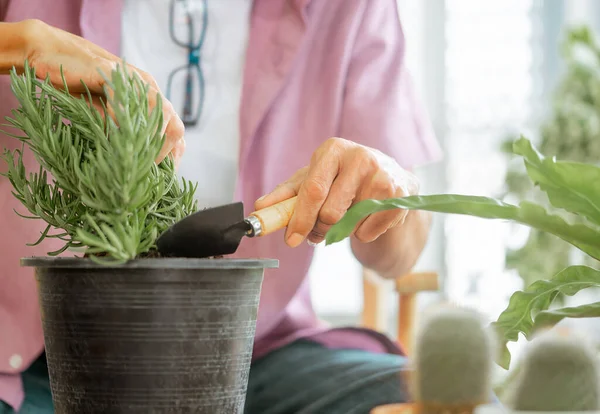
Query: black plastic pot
151,336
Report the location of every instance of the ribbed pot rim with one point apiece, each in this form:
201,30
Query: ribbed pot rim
151,263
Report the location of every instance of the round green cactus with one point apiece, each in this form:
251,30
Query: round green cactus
453,359
557,374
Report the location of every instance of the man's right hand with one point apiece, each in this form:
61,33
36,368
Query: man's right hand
47,48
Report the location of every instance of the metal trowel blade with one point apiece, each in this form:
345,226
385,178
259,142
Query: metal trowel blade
211,232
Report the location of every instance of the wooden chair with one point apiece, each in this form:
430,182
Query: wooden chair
375,313
375,304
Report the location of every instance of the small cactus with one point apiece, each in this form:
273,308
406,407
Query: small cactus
453,361
557,374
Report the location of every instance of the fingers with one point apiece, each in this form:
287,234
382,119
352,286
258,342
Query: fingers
373,226
84,61
75,72
50,48
342,194
341,174
178,151
383,186
283,191
146,77
172,127
174,140
174,130
314,190
377,224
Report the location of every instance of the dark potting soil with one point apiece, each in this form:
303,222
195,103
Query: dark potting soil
154,254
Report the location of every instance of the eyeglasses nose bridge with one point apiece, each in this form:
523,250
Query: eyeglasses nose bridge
194,56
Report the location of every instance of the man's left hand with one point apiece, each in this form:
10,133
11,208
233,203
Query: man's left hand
342,173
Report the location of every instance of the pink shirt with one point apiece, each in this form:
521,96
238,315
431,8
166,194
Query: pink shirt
314,69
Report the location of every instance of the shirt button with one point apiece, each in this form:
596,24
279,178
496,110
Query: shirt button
15,361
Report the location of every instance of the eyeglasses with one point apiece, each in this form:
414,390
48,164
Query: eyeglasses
189,35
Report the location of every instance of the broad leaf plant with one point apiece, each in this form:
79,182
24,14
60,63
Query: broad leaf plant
97,188
570,131
573,188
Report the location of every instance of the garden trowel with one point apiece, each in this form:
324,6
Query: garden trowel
219,230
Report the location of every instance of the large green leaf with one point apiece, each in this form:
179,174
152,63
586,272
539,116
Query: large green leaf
571,186
526,306
552,317
586,238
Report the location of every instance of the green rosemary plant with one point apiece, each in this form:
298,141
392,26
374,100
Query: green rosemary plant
98,187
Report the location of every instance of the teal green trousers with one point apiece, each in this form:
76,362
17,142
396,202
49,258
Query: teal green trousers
307,378
301,378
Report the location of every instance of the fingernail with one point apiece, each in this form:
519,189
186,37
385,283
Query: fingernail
295,239
262,197
311,243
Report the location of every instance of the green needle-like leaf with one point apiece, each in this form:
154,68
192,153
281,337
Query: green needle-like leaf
107,194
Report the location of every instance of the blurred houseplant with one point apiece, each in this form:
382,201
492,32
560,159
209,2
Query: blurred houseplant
560,257
571,133
571,187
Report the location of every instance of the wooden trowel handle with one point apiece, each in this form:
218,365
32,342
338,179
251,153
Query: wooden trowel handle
275,217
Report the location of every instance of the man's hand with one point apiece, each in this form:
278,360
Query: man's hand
48,48
342,173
